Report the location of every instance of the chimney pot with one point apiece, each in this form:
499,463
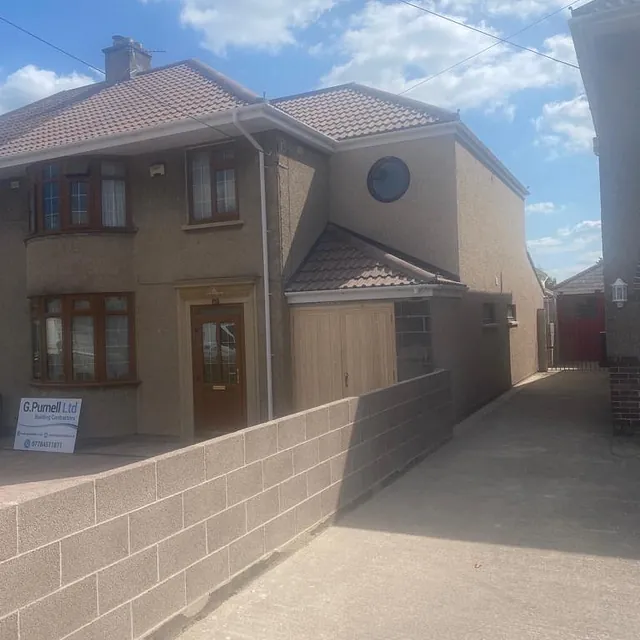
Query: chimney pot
124,58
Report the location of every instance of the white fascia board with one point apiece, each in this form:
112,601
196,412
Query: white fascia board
119,139
458,129
404,292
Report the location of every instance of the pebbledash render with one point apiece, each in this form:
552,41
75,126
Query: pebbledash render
189,259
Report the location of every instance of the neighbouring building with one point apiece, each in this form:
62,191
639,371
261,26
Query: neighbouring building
607,40
189,258
580,318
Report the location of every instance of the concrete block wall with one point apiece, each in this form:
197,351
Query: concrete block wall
120,555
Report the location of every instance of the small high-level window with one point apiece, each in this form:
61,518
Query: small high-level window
388,179
79,194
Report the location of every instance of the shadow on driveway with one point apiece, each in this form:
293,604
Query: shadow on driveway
540,471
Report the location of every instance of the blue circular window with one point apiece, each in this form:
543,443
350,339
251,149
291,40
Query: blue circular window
388,179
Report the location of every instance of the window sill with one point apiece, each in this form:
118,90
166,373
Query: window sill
490,325
222,224
84,385
116,231
513,323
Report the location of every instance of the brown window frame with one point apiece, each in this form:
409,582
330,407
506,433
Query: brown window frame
97,310
66,176
215,164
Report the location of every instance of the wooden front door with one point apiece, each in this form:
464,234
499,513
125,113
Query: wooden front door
219,390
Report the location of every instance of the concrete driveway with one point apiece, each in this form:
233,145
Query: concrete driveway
527,526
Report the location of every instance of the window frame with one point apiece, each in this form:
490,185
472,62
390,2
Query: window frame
512,312
371,178
66,177
98,312
215,165
489,319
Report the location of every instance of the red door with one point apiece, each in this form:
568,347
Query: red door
581,321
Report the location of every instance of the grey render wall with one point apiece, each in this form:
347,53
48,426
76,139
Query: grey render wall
614,84
15,338
493,253
298,193
121,554
477,355
423,222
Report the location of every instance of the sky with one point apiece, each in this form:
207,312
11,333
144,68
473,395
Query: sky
529,110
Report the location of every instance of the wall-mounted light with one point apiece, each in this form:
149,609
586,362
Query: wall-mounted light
619,292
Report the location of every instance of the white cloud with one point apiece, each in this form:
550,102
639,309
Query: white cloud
259,24
585,261
523,8
582,237
544,208
31,83
393,46
565,127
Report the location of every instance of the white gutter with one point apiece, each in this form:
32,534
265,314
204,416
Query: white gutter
402,292
265,263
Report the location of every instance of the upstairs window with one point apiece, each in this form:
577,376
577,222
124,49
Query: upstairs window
79,194
212,185
78,339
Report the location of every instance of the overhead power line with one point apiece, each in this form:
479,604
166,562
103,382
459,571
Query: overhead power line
492,35
506,40
179,112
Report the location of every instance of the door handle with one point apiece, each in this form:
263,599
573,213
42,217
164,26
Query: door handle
346,380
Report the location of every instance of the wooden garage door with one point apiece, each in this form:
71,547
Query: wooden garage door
341,351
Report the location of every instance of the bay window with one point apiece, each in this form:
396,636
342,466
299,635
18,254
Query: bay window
79,194
79,339
212,185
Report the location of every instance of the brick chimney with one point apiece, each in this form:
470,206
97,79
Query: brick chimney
124,58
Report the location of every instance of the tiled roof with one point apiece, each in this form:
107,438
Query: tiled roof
353,110
598,6
590,280
343,260
151,98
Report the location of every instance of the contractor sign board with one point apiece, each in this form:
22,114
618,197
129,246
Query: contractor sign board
47,424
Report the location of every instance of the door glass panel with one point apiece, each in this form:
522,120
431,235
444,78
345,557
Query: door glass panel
228,352
210,357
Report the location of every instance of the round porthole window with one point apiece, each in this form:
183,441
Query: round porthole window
388,179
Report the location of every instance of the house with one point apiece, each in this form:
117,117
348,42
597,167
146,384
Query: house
606,36
580,317
187,257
